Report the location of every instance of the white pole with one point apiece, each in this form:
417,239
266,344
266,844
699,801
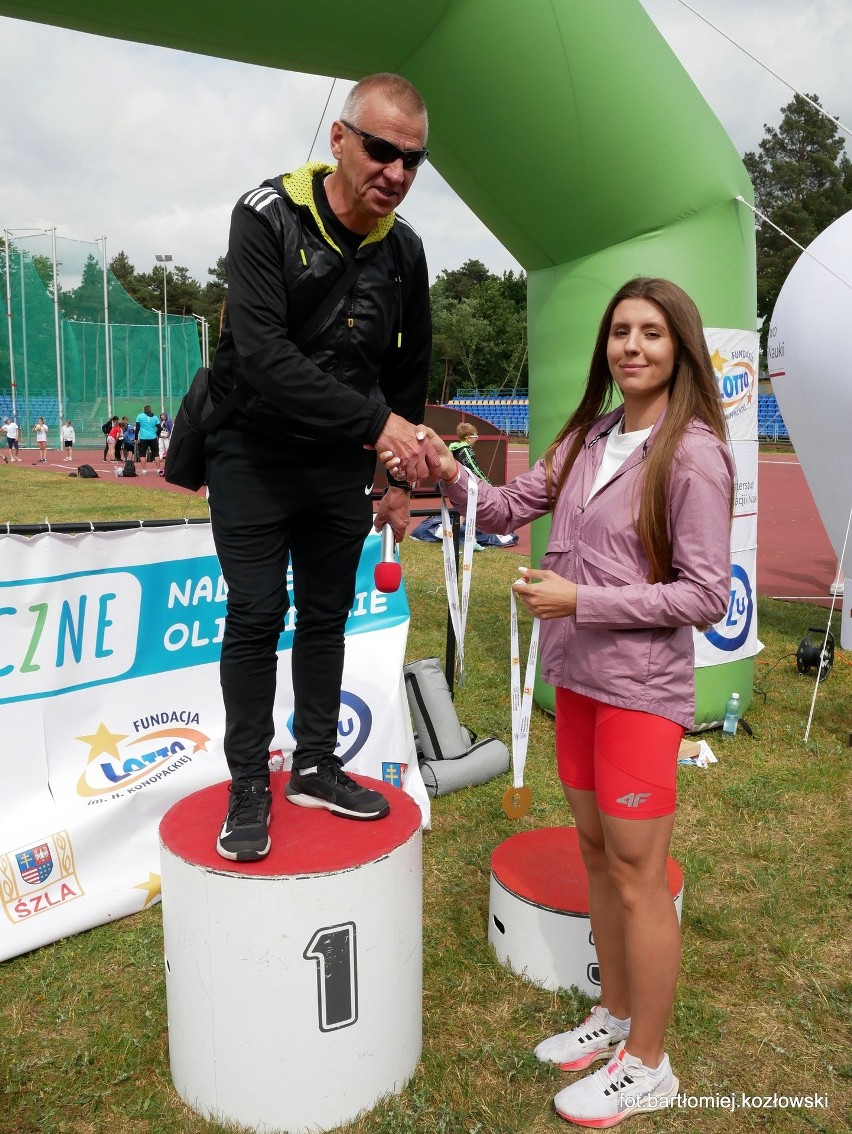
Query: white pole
56,327
205,338
827,632
168,340
7,253
107,343
160,344
24,341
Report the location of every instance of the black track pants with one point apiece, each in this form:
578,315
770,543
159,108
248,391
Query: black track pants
313,509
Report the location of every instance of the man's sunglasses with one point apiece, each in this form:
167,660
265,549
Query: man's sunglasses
379,149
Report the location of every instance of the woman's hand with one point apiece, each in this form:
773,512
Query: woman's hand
546,594
403,449
445,467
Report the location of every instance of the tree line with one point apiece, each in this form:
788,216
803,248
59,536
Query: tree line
802,179
479,318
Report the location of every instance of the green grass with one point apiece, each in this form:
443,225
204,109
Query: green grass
765,999
29,496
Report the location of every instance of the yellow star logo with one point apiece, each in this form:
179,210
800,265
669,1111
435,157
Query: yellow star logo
103,741
718,361
151,888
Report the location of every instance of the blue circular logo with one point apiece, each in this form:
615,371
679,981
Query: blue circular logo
353,726
732,631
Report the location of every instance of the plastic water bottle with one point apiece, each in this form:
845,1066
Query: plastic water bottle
732,714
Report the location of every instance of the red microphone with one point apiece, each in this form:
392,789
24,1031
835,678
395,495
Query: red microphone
387,575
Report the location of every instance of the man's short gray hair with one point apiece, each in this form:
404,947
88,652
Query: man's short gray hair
397,90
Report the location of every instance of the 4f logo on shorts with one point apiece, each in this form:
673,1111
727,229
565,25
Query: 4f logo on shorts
634,798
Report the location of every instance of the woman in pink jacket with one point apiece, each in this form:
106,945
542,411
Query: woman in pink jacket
638,554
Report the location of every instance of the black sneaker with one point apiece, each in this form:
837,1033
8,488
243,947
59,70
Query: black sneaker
244,836
328,786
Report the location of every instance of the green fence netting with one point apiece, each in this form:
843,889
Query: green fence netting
54,364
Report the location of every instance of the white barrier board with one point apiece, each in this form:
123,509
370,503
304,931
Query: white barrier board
112,710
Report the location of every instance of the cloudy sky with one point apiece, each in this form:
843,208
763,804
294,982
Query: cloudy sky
151,147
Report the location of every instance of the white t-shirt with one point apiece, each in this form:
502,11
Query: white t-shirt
68,433
40,432
11,430
619,446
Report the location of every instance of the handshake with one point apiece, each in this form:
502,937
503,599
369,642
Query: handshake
413,452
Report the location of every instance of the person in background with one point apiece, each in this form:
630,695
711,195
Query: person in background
638,555
164,433
462,449
105,429
68,438
119,441
114,439
13,443
129,439
40,430
146,439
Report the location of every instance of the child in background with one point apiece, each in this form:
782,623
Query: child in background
68,438
40,430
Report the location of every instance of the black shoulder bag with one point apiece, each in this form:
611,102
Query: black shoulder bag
197,416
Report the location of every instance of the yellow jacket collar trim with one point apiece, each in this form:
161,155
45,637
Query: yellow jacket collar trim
299,186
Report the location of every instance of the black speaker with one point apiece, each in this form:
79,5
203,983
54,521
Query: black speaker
811,654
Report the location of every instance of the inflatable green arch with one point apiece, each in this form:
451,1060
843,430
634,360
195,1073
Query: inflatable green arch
569,127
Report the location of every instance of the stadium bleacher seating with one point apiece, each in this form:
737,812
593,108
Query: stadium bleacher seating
39,405
509,414
770,423
512,414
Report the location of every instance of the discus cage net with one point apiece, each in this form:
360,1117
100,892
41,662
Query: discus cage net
84,350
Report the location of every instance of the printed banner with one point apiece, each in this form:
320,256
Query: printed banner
735,635
734,355
744,529
102,735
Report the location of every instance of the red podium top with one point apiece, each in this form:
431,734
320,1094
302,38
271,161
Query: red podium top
544,867
304,841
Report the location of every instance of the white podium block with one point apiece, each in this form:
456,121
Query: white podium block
294,984
538,918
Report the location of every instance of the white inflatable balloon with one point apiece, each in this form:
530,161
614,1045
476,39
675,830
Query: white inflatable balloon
809,364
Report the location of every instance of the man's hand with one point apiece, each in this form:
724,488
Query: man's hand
439,459
405,446
546,594
393,509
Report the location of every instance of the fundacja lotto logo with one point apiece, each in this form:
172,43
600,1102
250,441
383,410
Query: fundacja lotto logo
732,632
353,726
119,762
735,378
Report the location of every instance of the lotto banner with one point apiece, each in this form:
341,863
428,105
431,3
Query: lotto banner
112,711
734,355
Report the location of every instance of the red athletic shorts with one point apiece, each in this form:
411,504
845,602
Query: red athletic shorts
627,758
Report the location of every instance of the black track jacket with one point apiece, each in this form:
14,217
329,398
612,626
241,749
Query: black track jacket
372,353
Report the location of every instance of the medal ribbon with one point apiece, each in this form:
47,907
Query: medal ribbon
521,701
458,606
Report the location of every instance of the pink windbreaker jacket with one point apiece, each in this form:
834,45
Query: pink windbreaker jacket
630,642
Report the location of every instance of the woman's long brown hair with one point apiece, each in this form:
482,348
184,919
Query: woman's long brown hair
693,393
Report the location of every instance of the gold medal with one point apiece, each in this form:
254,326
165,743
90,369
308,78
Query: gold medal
516,801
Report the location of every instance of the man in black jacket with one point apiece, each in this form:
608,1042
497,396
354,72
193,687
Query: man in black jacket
290,472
